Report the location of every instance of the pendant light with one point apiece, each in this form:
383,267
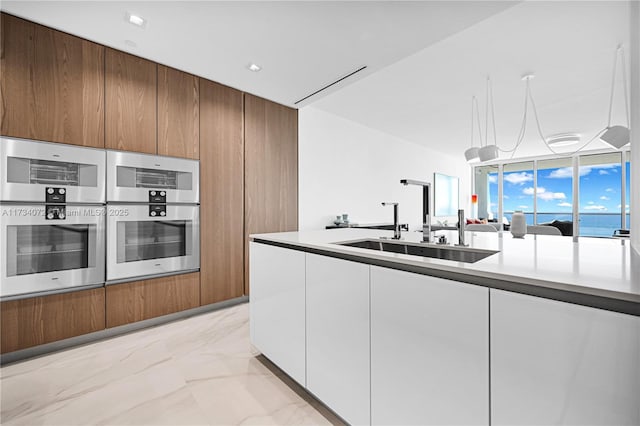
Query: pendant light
489,152
471,154
618,136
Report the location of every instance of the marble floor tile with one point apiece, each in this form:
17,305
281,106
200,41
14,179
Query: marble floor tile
197,371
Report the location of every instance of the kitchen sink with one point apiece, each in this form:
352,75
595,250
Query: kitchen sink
458,254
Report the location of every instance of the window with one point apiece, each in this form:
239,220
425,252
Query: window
543,190
518,190
600,194
627,197
555,190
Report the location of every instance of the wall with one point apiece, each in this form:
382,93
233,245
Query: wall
634,35
345,167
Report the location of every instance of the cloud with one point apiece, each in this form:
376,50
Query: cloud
518,178
626,206
590,202
564,204
605,198
595,207
506,197
561,173
492,178
544,195
523,207
609,190
567,172
548,196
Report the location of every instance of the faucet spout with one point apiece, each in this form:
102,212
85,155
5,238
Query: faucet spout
426,206
396,221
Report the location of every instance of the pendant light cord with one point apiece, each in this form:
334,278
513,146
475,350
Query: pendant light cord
619,52
493,114
474,104
624,85
613,85
541,133
523,125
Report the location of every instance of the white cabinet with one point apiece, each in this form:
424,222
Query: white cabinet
277,307
429,350
338,336
554,363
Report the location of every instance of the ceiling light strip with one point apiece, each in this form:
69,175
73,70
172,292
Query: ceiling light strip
330,84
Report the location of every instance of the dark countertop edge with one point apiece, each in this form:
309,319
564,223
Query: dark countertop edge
576,298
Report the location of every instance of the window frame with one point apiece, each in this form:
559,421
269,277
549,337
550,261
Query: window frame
625,154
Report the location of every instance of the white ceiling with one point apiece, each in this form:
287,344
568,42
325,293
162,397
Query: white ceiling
302,46
569,46
425,58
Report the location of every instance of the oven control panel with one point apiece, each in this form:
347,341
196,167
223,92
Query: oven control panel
55,212
156,196
158,210
55,195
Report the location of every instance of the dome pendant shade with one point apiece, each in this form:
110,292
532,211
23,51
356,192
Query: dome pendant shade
616,136
488,153
471,154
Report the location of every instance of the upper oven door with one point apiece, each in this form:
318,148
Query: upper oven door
140,244
43,255
134,177
33,171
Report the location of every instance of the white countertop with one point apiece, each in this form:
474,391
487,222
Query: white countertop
595,266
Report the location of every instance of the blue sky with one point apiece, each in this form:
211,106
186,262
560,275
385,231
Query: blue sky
600,188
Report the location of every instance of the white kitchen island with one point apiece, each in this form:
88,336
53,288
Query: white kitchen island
546,331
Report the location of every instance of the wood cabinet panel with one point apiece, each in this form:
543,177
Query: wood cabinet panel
130,103
51,85
141,300
221,193
39,320
178,113
271,169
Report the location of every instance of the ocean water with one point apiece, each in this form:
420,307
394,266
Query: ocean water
591,224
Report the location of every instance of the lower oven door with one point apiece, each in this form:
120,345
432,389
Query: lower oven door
39,255
139,244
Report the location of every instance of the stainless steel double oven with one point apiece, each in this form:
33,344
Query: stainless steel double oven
52,217
73,217
153,215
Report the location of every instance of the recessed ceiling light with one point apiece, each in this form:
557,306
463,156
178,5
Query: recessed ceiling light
563,139
254,67
136,20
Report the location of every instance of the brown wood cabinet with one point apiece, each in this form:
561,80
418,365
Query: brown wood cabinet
141,300
221,193
60,88
39,320
130,102
51,85
271,169
178,113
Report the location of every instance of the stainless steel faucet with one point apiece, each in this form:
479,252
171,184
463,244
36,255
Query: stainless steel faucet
396,222
426,216
460,227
